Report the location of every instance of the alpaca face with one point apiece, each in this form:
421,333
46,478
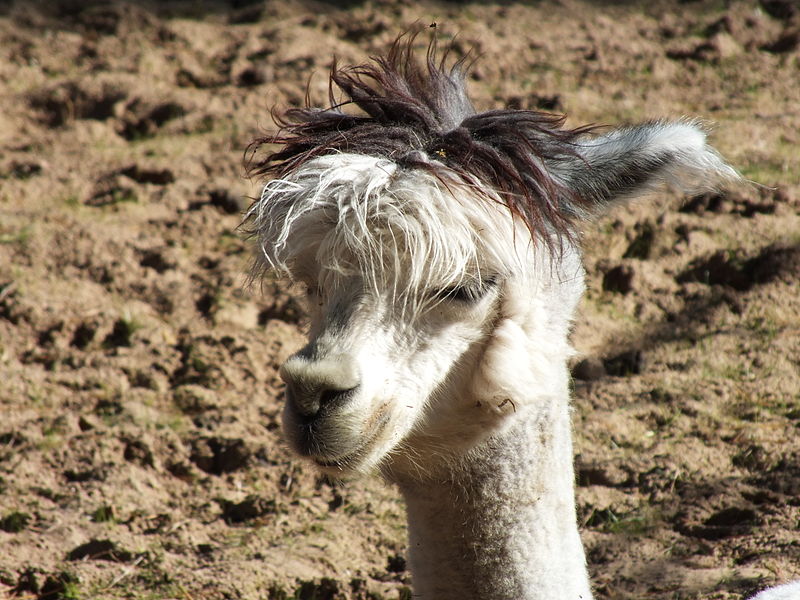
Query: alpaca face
410,297
366,379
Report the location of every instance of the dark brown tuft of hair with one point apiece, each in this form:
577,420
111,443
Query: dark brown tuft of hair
418,114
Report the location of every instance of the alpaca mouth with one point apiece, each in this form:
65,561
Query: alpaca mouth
353,458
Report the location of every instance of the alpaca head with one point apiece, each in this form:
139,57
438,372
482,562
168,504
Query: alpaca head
437,247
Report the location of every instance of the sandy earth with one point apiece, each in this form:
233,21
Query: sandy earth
140,450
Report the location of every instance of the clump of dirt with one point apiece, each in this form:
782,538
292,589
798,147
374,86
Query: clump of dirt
140,448
730,269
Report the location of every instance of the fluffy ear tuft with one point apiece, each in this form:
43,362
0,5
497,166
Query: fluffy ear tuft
631,161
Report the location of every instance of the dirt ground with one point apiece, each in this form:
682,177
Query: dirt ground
140,449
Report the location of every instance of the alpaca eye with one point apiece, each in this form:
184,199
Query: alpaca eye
313,294
313,291
471,292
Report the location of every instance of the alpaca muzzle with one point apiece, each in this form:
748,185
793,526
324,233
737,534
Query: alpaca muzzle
319,387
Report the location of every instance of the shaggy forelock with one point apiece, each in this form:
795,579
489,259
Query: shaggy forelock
418,115
346,215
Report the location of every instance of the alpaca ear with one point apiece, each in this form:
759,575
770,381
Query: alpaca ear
631,161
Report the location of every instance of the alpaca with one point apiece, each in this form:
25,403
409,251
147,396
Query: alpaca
439,250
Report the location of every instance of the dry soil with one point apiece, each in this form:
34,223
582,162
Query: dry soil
140,449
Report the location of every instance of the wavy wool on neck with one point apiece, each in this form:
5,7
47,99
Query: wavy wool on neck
439,248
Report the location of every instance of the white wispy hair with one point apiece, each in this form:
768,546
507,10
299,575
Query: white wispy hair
403,230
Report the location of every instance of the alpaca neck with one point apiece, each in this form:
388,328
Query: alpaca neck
502,524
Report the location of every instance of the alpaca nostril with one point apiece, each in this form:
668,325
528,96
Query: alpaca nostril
335,398
308,403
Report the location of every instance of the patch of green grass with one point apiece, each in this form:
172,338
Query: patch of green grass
123,195
780,167
176,423
72,201
70,591
353,509
64,585
277,592
104,514
52,439
122,332
15,521
771,173
665,419
634,523
736,372
20,236
59,425
53,432
765,327
405,593
316,527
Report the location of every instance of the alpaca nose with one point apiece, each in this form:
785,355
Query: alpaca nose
312,385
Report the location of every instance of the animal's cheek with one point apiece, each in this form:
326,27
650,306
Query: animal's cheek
421,364
505,373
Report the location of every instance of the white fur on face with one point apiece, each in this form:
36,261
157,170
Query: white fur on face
407,286
346,215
